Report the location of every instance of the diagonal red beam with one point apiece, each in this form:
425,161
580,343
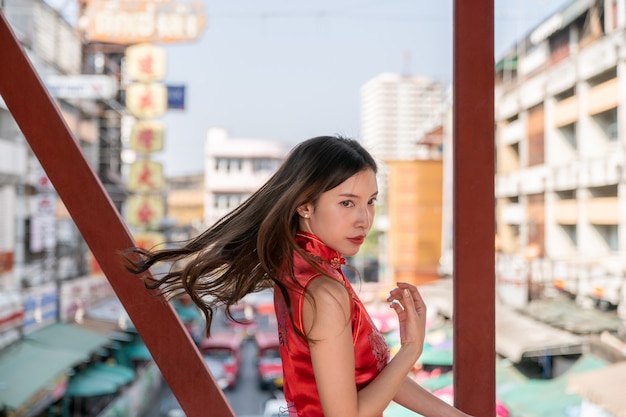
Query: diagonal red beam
473,207
103,229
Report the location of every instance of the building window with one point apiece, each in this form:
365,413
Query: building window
606,191
536,135
606,123
265,164
236,164
568,133
8,127
571,232
559,46
228,201
609,234
566,194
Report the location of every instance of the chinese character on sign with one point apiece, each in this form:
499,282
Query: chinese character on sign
145,210
145,62
145,176
145,65
147,136
146,100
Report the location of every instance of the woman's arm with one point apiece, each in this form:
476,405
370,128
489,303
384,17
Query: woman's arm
327,323
414,397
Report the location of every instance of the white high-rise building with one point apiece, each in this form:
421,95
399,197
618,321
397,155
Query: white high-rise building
396,111
234,169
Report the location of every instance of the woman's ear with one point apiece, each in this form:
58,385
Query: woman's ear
304,210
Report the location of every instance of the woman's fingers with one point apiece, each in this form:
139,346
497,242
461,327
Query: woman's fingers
408,304
416,298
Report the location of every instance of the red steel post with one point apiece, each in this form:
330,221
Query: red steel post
473,207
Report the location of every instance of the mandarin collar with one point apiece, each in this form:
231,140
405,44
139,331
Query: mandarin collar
318,249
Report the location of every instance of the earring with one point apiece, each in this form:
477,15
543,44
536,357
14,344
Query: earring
306,215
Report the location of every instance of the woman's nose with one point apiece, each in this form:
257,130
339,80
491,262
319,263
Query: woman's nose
364,217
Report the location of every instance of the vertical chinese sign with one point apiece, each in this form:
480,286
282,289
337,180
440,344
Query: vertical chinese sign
139,24
146,99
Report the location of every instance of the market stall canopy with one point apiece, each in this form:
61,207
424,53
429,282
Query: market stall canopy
564,313
41,360
99,379
438,346
519,336
69,337
603,387
551,397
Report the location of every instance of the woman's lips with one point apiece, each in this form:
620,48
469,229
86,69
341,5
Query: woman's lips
356,240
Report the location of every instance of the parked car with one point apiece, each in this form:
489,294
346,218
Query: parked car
269,364
254,312
218,370
224,347
243,319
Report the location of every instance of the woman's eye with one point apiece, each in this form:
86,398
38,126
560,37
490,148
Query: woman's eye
347,203
372,202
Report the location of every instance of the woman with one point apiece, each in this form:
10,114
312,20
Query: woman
292,235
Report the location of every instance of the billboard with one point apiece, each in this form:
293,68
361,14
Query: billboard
135,21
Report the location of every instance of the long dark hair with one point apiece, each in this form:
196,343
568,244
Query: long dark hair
250,248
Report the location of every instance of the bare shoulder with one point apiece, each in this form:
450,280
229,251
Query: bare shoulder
327,307
326,290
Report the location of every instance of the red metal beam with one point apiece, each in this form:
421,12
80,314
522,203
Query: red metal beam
473,207
103,229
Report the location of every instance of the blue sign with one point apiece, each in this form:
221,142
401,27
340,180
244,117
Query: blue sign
176,97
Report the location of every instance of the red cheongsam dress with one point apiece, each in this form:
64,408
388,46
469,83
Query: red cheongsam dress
371,352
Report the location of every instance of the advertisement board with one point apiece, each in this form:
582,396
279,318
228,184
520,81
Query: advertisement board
129,22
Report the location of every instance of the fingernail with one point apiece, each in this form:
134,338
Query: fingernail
406,293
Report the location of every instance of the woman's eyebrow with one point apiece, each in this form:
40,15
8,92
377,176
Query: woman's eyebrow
356,196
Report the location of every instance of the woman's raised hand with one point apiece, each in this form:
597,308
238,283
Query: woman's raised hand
406,300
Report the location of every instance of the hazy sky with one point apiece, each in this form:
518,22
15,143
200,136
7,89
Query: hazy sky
292,69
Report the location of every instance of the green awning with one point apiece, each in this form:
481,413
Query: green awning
99,379
26,369
67,336
37,362
438,382
187,313
438,346
509,63
547,398
127,373
433,355
137,351
90,385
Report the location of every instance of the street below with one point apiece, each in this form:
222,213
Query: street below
246,399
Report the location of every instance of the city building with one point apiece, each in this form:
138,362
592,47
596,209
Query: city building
561,158
40,247
396,111
185,206
234,169
415,219
400,115
53,342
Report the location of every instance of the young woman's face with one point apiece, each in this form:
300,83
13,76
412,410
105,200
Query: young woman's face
343,216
